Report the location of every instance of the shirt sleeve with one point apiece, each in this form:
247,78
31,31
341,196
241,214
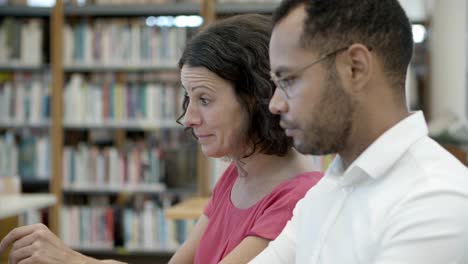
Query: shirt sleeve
282,250
429,227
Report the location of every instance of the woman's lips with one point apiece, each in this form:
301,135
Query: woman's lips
204,138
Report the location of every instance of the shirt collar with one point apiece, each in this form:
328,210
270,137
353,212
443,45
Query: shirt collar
383,152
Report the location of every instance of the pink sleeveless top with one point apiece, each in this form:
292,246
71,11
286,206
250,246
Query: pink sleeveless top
228,225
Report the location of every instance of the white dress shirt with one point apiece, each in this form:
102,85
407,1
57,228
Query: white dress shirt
403,200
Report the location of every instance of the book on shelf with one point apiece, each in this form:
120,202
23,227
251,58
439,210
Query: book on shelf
138,2
126,42
100,226
24,98
27,157
21,41
8,155
88,102
107,168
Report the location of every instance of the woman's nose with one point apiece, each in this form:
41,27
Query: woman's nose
191,117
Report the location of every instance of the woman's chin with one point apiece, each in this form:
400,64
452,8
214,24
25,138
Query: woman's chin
212,153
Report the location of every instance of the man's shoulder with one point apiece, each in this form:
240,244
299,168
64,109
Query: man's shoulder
430,161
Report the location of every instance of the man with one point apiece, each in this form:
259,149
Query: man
392,195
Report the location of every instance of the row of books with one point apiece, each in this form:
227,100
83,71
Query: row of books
134,165
24,98
133,2
86,102
150,230
21,41
116,42
87,227
105,228
28,158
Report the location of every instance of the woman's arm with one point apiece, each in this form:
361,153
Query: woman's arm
35,244
247,250
186,253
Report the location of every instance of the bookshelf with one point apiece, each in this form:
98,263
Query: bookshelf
24,113
156,77
59,129
191,208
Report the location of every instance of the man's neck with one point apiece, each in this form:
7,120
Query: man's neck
367,128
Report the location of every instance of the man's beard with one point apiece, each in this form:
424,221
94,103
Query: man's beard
329,126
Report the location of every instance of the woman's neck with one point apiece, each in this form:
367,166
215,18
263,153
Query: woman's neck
261,165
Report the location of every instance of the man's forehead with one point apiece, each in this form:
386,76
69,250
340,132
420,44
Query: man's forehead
293,21
285,43
289,29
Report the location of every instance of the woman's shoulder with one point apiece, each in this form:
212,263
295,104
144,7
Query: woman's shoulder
299,184
285,196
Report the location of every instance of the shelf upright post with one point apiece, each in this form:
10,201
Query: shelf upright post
56,130
207,11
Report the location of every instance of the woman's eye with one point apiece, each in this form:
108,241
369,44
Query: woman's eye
204,101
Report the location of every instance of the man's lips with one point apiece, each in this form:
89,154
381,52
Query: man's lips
288,128
285,125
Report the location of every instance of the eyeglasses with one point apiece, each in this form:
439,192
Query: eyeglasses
286,82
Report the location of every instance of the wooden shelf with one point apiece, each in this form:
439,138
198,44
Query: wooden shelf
15,204
128,125
24,11
224,9
189,209
133,10
146,188
123,251
120,68
15,124
20,67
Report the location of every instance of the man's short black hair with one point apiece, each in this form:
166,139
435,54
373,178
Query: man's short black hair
379,24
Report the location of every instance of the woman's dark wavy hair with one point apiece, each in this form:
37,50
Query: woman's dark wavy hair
236,49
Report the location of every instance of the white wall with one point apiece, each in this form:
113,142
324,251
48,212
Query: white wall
449,58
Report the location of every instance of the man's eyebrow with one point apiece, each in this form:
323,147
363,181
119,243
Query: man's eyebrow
281,70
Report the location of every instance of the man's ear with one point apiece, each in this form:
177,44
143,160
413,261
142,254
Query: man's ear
355,68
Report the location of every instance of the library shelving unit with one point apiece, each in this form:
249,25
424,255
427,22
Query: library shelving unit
66,131
24,115
24,95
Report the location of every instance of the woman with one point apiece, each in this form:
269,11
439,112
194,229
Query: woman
225,74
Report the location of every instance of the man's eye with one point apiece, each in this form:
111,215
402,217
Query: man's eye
286,82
